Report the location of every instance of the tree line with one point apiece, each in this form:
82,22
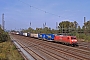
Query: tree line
63,27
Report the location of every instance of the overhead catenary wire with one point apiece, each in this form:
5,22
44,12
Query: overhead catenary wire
38,8
44,10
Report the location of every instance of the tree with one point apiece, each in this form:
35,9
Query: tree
75,24
3,36
65,26
87,26
68,27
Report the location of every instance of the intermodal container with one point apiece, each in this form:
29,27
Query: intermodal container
50,36
43,36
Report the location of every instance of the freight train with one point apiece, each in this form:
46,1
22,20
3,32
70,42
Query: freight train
62,38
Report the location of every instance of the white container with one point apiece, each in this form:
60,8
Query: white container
17,33
32,34
35,35
25,34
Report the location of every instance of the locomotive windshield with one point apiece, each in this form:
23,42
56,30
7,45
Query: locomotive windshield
73,37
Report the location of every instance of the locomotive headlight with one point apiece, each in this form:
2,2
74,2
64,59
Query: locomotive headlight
72,40
75,40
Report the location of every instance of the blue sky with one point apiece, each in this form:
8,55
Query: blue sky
18,13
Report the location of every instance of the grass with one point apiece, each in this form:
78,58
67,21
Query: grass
9,52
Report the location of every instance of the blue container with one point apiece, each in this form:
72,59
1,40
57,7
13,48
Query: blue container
50,36
42,36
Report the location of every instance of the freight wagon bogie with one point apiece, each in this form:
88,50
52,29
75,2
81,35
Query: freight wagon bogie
74,44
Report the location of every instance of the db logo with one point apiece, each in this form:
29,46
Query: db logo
49,36
60,38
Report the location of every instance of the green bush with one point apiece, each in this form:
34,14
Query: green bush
82,36
3,36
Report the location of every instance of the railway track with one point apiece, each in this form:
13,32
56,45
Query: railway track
78,52
49,50
30,51
84,45
41,55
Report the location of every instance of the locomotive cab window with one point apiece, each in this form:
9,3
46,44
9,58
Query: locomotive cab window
67,37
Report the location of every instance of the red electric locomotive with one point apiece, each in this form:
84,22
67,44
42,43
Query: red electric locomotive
66,39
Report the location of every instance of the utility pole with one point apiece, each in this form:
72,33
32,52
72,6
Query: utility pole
62,28
30,27
0,25
45,24
30,24
3,22
56,25
84,25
